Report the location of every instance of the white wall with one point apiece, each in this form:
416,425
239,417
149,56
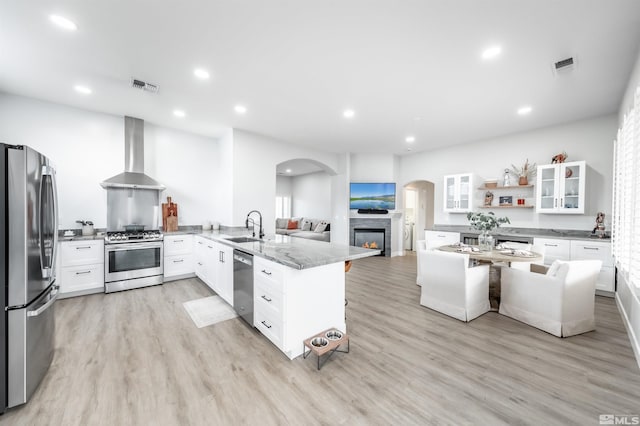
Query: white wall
284,186
311,195
590,140
254,173
88,147
340,200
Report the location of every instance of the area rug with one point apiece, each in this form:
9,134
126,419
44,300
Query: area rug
209,311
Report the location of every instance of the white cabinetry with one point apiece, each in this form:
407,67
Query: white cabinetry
597,250
178,256
80,267
458,193
291,305
561,188
214,266
556,249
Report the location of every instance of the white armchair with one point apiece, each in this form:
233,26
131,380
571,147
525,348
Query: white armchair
451,287
560,302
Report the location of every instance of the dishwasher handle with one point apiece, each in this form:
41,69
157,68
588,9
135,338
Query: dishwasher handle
243,259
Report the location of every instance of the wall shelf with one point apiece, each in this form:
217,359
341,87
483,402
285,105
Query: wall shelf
484,188
506,207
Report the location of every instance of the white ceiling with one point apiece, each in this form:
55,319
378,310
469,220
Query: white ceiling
296,65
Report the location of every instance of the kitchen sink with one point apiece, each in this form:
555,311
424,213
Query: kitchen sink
243,240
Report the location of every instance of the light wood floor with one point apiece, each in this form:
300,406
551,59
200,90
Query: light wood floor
136,358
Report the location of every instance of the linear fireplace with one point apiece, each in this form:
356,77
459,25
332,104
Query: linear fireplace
372,238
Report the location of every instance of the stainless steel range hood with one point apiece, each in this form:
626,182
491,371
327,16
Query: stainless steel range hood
133,176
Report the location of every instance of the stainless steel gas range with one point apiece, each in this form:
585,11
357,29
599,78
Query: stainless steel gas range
132,259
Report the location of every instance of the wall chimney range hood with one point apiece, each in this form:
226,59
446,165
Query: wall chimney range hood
133,176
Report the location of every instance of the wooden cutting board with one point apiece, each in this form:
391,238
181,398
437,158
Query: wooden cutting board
169,216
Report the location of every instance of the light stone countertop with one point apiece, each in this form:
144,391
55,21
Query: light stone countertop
561,234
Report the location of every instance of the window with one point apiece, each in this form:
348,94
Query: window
626,196
283,206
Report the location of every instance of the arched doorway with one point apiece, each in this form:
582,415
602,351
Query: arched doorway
418,211
304,189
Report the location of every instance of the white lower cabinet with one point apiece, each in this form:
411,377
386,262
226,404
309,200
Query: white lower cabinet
178,256
214,265
557,249
291,305
224,272
80,267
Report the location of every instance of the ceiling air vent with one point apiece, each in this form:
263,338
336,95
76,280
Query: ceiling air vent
142,85
564,65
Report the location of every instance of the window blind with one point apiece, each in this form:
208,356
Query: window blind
626,195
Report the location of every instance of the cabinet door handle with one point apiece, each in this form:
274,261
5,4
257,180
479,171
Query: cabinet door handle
561,202
266,298
200,263
178,241
550,245
178,261
83,248
265,272
210,247
200,242
83,272
591,248
265,324
222,257
555,202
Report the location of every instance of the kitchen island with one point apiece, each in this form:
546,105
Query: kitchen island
298,284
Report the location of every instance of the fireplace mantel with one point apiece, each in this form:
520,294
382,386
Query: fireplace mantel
366,221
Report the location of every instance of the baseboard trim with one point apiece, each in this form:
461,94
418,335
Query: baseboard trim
166,279
633,339
81,292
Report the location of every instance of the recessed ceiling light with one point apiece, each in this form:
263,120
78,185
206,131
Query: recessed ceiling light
82,89
524,110
491,52
410,139
240,109
288,170
179,113
348,113
63,22
202,74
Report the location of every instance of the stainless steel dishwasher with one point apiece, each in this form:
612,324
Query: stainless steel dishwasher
243,285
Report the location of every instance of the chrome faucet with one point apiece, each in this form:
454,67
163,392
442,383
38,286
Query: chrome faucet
246,223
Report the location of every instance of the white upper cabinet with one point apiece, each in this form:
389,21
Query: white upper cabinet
561,188
458,193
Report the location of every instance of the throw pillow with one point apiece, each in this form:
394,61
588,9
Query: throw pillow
293,224
306,225
282,223
328,228
322,225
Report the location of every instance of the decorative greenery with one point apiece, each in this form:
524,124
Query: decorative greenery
485,221
527,170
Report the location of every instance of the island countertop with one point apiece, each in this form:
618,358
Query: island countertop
297,253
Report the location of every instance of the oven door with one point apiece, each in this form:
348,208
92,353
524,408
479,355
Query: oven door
133,260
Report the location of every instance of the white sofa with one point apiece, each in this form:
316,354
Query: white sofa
308,232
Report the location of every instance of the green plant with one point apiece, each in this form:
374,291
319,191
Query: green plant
527,170
485,221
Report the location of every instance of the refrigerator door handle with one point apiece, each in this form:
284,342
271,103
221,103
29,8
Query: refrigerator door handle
47,267
41,309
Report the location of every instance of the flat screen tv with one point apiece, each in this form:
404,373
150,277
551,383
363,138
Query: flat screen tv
373,196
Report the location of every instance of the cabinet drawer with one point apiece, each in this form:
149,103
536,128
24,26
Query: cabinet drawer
178,265
596,250
606,280
554,249
267,270
268,298
73,253
269,326
83,277
178,244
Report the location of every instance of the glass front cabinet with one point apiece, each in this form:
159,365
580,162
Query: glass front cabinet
561,188
458,196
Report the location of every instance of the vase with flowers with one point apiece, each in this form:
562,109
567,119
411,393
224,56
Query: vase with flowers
524,173
485,223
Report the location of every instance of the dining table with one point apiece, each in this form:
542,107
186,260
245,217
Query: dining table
497,257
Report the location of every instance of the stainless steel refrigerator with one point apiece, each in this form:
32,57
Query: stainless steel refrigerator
28,236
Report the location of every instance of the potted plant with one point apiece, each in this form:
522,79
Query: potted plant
485,223
527,170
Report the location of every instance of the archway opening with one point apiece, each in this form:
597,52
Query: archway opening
418,211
